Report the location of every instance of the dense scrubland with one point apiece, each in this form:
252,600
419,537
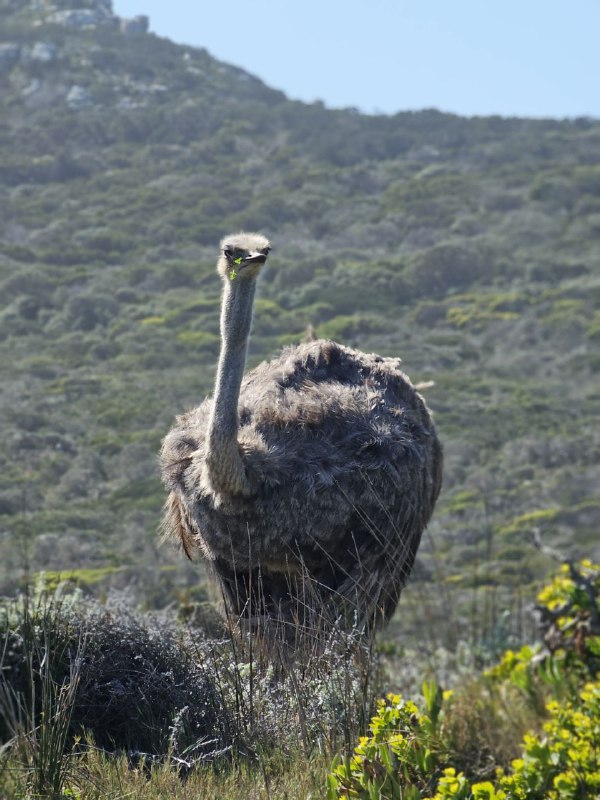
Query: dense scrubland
469,247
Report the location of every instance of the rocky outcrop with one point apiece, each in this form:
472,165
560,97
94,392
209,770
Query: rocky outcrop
135,25
40,52
83,18
44,52
12,54
79,97
74,14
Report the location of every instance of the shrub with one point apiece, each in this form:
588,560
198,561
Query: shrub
408,753
564,762
138,687
404,757
400,759
569,610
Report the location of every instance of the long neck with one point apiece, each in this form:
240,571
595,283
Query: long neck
224,462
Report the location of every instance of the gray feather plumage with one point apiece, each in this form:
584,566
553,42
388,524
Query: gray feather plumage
344,468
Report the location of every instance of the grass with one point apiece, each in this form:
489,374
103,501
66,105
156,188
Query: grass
98,776
113,778
36,709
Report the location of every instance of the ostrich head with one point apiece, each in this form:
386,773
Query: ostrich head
242,256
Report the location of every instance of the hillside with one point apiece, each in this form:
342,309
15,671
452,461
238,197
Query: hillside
469,247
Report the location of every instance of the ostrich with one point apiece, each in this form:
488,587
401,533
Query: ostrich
306,484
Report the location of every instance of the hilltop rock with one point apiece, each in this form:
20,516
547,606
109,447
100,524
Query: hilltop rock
83,18
73,14
135,25
102,6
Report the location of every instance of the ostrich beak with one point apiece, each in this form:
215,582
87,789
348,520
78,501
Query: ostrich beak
255,258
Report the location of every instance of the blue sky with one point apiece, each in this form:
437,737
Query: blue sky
535,58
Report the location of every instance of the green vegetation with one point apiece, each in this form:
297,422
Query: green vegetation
100,701
412,755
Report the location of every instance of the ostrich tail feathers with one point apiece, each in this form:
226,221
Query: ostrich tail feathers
178,525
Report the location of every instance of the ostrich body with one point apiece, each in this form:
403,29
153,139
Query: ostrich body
307,483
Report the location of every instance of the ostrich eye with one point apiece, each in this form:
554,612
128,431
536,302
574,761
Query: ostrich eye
265,251
235,254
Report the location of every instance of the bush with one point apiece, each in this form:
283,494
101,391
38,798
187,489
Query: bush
408,754
399,760
569,610
563,763
138,688
449,267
